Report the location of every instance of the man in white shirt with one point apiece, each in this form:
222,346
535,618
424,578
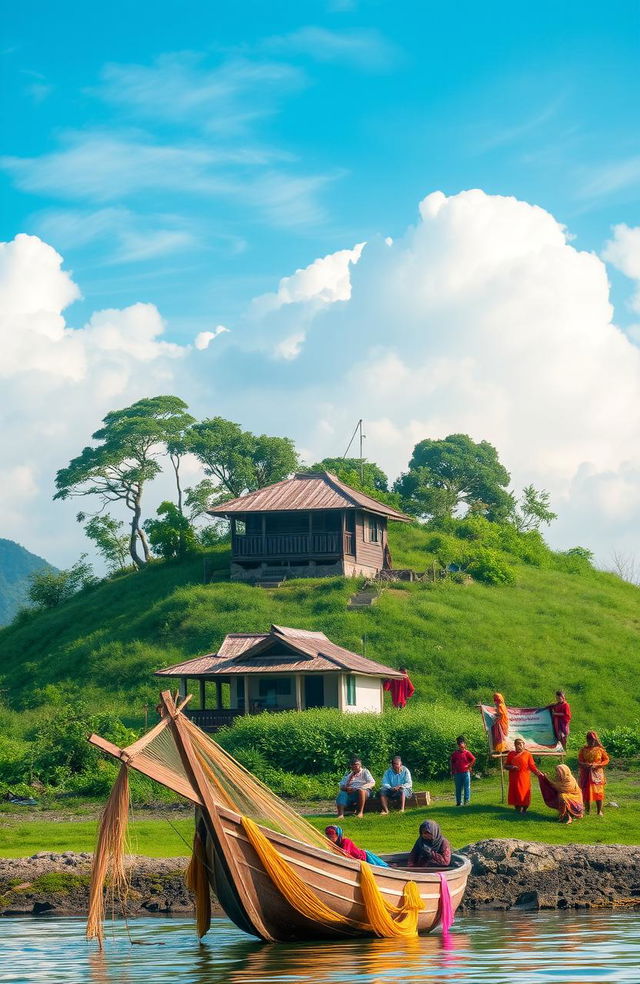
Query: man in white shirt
396,784
355,789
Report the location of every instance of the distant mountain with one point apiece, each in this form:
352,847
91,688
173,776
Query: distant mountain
16,566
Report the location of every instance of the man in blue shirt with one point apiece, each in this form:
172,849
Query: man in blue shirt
396,784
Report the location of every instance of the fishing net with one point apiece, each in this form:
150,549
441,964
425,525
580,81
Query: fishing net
168,753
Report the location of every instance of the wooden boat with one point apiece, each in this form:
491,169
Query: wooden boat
245,887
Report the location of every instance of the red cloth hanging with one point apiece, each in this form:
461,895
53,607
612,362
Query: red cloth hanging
401,690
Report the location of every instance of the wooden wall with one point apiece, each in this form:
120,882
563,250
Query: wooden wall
367,553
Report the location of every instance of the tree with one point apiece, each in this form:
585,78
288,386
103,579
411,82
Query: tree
120,467
173,535
49,588
532,510
456,471
105,531
240,461
365,475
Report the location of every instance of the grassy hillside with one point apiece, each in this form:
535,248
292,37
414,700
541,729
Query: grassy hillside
16,566
560,624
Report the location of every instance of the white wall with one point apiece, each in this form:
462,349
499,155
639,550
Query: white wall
368,697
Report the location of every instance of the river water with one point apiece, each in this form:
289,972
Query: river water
557,948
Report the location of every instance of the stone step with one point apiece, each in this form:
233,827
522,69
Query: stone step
363,599
268,584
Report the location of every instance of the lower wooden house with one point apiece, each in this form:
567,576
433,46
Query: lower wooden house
284,669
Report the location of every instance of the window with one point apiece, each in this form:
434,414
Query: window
240,527
375,529
351,691
275,687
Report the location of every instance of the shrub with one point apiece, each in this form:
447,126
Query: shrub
488,566
319,742
622,742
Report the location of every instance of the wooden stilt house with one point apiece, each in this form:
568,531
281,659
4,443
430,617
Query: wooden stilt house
311,525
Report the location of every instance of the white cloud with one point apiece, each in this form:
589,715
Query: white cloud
365,49
623,252
224,99
483,318
204,338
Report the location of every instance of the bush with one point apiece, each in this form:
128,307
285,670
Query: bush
14,761
313,743
488,566
622,742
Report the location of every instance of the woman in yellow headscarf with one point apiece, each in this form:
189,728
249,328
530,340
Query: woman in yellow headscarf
500,726
592,758
562,793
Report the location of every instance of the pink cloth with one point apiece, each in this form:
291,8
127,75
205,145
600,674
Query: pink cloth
446,909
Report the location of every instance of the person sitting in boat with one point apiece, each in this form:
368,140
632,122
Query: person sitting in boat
336,836
431,850
562,793
355,789
396,785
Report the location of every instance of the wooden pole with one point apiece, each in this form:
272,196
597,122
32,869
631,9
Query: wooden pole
298,679
246,693
501,779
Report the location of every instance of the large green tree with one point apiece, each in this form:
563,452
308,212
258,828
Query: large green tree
238,460
125,460
455,472
365,475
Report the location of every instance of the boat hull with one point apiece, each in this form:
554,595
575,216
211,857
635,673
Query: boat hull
334,879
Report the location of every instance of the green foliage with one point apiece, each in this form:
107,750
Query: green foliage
173,535
323,741
366,474
622,742
488,566
239,460
444,475
49,588
111,543
118,469
533,510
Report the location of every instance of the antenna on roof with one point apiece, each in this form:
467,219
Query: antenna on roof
362,438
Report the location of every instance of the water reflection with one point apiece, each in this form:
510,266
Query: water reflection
501,948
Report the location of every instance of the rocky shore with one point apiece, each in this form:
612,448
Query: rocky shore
506,874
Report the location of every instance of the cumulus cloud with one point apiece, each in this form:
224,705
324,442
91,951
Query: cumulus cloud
484,317
204,338
59,381
623,252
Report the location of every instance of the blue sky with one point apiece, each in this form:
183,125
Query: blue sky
174,165
192,155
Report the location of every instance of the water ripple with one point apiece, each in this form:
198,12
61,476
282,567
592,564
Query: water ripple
523,949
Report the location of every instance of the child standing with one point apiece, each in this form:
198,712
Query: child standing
462,762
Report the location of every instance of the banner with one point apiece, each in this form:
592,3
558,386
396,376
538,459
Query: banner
533,724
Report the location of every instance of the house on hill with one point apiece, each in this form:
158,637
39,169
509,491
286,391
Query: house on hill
280,670
311,525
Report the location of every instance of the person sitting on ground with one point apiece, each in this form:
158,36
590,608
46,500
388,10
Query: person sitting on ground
561,716
462,761
520,765
396,785
592,759
336,836
562,793
355,789
431,850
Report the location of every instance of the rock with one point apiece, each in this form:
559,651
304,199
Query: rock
513,873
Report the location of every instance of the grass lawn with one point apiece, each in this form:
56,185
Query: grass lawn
485,817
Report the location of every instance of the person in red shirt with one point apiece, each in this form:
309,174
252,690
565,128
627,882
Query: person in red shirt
561,716
462,762
401,690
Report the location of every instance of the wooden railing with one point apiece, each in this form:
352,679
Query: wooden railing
213,720
289,545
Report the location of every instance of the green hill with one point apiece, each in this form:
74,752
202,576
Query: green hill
16,567
560,624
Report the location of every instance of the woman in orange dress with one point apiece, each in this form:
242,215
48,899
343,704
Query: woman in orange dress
592,759
500,726
520,765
